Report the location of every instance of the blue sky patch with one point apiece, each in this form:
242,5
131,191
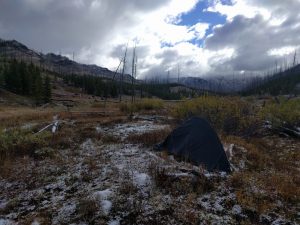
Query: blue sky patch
198,15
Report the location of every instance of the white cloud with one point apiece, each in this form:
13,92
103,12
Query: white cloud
282,51
200,29
97,31
239,7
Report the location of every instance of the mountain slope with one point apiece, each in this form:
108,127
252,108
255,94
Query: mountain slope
287,82
54,63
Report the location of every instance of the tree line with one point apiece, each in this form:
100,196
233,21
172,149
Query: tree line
92,85
25,79
281,83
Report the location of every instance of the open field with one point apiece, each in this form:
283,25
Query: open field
99,167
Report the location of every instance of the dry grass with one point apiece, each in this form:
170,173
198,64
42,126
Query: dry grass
271,173
87,209
177,185
16,116
148,139
142,105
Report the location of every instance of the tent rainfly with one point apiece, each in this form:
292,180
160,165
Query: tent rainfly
196,141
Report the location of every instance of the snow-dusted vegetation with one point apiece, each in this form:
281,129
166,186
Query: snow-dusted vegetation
102,170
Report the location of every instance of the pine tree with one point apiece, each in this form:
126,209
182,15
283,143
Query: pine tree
113,90
47,90
11,77
38,83
1,77
24,78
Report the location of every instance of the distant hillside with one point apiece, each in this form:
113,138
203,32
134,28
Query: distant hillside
287,82
12,49
195,82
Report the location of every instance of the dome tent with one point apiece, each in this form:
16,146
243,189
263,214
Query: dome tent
197,141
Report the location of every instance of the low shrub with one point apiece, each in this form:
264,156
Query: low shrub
110,139
144,104
17,143
228,114
148,139
179,185
285,112
45,152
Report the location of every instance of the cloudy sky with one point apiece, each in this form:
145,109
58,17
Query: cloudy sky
200,37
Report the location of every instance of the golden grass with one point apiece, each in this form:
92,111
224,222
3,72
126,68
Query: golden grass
141,105
270,173
16,116
228,114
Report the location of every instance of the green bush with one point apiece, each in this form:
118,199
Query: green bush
287,112
17,142
227,114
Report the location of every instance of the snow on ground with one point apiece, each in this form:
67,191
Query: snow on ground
141,179
6,222
102,197
137,127
114,222
119,179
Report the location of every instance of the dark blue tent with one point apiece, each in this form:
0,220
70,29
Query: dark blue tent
197,141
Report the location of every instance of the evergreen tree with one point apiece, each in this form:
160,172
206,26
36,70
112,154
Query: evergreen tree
24,78
113,90
1,77
47,90
38,90
31,72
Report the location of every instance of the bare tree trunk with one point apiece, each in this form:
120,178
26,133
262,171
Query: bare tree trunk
132,74
122,75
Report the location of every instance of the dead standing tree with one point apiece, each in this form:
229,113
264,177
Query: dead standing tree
123,71
134,59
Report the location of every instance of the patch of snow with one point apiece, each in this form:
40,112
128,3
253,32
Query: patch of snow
141,179
3,204
6,222
35,222
223,174
123,130
229,151
88,147
218,205
64,213
208,174
180,174
106,206
114,222
103,195
236,209
28,126
204,202
279,221
265,219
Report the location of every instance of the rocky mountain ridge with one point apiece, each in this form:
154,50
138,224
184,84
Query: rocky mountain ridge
55,63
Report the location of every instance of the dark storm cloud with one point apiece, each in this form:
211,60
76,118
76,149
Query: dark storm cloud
99,30
68,25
